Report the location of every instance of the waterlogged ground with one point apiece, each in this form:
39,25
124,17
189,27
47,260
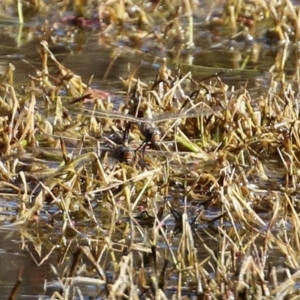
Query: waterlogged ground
15,260
28,253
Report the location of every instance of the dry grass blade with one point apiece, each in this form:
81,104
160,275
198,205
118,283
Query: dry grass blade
116,185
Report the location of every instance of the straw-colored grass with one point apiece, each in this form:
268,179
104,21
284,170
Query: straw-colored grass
187,190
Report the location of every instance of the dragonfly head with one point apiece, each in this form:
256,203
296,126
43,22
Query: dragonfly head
124,154
128,155
155,137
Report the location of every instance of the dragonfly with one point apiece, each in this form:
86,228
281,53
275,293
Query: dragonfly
119,151
147,125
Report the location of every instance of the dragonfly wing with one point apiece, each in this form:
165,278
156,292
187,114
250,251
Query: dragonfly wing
189,113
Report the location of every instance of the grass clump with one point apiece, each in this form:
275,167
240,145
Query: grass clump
186,189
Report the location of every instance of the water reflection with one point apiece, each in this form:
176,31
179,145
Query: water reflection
13,260
87,55
84,56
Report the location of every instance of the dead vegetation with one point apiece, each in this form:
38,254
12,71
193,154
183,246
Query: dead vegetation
186,190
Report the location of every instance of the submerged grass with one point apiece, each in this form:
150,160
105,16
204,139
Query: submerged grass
187,190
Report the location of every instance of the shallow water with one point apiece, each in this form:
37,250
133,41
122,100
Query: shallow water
86,57
16,261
